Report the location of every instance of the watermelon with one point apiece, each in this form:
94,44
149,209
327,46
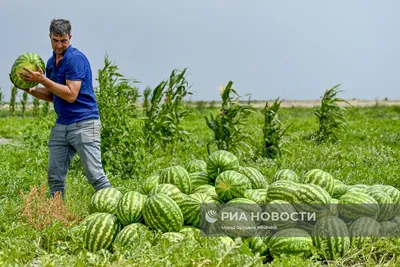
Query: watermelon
130,206
170,190
282,208
231,184
286,174
291,241
354,205
200,178
394,193
105,200
390,228
363,230
178,176
282,190
172,237
312,198
196,165
191,207
149,184
331,237
258,245
29,61
100,231
385,204
255,177
247,205
160,212
257,195
132,234
339,189
321,178
220,161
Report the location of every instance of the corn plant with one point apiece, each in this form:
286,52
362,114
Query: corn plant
164,110
36,106
12,106
45,108
117,98
273,131
331,117
24,102
228,124
1,99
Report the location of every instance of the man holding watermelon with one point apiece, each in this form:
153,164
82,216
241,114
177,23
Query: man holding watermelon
68,84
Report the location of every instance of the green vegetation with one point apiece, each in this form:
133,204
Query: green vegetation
35,229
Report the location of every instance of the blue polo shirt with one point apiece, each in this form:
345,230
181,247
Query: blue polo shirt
74,66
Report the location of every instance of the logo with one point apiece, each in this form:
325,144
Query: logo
211,216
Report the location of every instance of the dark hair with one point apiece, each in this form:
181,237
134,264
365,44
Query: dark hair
60,27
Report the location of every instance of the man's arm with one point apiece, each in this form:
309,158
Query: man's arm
41,93
68,92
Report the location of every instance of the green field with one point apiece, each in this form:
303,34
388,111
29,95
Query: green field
367,153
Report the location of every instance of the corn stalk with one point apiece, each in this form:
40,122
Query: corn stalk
228,124
331,116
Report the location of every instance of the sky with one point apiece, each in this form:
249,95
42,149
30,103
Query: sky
293,50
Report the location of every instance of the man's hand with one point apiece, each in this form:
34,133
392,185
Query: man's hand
32,76
29,90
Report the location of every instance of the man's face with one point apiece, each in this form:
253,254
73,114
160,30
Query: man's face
60,43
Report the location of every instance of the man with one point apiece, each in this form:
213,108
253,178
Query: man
68,84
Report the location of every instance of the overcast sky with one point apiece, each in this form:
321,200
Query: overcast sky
287,49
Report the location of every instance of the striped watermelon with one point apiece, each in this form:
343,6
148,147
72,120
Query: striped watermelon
105,200
200,178
291,241
385,204
255,177
130,206
396,219
29,61
231,184
312,198
362,188
258,245
191,207
190,231
100,231
354,205
331,237
321,178
132,234
207,189
339,189
220,161
170,190
172,237
282,208
160,212
282,190
286,174
149,184
390,228
363,230
257,195
394,194
247,205
196,165
333,207
178,176
235,222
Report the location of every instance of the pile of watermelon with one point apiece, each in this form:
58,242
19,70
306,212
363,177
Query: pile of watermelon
170,202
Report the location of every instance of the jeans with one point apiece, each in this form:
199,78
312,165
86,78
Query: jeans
81,137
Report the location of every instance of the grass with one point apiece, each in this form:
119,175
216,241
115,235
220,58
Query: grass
366,153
